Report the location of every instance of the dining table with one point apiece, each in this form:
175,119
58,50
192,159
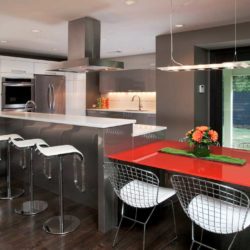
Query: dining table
238,176
150,156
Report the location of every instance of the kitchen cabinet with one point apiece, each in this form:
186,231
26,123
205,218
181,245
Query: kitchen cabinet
42,68
127,81
97,113
16,66
141,118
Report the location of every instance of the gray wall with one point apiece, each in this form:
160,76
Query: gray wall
179,105
143,61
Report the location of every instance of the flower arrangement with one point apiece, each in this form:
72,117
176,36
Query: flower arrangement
202,135
200,139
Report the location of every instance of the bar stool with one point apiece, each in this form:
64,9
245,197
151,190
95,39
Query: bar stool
32,206
9,193
61,224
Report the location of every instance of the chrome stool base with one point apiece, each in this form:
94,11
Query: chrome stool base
13,193
53,225
31,207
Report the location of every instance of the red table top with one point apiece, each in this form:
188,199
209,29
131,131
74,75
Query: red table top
148,155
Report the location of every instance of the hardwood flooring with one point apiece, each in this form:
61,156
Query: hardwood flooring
25,232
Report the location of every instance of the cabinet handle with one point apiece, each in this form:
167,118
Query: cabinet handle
53,97
16,71
49,96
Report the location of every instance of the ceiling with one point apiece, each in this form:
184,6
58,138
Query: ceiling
126,30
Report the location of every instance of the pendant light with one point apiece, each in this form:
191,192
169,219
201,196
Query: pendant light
177,66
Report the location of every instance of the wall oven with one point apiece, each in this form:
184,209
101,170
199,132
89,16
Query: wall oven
16,92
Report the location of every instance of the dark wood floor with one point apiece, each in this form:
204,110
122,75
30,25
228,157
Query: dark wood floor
25,232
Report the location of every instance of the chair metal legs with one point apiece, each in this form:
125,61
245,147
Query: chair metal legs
144,227
61,224
119,226
232,242
174,221
9,192
198,242
143,223
204,245
32,206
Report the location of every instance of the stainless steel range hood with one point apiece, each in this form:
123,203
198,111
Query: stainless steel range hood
84,36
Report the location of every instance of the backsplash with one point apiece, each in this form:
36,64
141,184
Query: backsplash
123,100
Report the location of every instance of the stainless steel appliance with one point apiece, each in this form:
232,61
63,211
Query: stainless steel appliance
84,39
50,94
16,92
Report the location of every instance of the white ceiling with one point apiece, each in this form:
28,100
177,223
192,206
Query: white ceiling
129,29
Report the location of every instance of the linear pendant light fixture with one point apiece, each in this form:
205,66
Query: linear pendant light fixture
176,66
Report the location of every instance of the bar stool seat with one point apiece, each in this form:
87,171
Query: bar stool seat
9,192
61,224
59,150
9,136
32,206
23,144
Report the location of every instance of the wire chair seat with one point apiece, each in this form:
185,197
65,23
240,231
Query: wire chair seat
212,206
218,216
144,195
139,189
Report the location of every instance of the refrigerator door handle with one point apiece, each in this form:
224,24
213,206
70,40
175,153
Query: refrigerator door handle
49,96
53,97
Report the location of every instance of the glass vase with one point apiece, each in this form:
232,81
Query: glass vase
201,150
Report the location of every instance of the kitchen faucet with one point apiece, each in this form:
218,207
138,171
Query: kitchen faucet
140,105
28,106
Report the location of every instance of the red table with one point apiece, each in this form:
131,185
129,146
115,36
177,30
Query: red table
148,155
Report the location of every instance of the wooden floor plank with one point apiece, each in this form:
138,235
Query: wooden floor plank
25,232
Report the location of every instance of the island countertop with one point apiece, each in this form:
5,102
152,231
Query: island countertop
78,120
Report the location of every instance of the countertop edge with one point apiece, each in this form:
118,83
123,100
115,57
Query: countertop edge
68,119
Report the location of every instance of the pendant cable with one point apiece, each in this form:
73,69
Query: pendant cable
235,30
171,35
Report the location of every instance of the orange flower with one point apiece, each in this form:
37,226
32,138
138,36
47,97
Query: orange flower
213,135
202,128
197,135
189,132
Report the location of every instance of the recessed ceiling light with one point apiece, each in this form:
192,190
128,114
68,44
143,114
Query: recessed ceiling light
129,2
54,49
179,25
4,41
35,31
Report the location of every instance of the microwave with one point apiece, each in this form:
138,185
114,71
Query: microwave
16,92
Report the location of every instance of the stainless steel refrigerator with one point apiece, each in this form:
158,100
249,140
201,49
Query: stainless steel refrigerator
50,94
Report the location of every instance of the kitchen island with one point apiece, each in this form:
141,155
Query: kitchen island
95,137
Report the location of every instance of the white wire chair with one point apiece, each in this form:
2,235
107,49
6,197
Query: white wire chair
137,188
214,207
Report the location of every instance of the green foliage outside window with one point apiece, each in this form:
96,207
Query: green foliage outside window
241,83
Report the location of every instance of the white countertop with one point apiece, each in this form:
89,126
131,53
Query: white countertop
125,110
78,120
142,129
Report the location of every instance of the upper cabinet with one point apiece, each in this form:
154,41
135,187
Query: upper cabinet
25,67
127,81
16,65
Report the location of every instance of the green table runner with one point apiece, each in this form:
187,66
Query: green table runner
211,157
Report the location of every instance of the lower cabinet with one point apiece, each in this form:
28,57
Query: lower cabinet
141,118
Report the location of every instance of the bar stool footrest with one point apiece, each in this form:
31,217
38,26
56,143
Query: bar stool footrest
52,225
31,207
14,193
